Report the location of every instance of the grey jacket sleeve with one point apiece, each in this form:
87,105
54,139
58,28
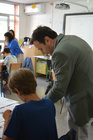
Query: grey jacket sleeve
63,69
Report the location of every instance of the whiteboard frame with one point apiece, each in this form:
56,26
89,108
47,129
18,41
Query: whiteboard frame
73,14
83,28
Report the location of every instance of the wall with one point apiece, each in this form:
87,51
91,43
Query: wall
22,22
52,17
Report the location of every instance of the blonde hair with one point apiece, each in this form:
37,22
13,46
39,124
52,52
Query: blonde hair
24,80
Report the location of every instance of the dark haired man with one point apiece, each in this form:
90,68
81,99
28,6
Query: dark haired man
72,62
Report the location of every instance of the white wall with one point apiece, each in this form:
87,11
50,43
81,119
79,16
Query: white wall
22,22
52,18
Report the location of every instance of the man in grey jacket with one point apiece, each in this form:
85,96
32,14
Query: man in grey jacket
72,62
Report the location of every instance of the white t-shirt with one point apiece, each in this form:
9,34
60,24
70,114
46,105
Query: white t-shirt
9,59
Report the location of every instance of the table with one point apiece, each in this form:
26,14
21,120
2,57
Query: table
4,105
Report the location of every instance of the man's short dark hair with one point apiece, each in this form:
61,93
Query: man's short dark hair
40,33
6,50
9,35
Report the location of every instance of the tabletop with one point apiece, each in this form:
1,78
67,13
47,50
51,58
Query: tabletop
4,105
43,57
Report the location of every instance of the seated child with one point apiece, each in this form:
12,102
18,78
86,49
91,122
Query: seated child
32,120
8,59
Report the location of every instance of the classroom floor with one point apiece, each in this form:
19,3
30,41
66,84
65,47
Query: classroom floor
61,119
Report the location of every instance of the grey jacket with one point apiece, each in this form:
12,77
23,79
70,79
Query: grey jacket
72,62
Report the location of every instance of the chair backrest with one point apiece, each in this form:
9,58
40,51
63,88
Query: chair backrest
0,68
14,66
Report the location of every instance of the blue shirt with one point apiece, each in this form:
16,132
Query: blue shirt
34,120
14,47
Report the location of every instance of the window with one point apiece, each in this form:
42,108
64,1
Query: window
6,8
9,19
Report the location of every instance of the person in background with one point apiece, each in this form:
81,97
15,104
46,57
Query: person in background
8,59
13,34
72,62
5,42
14,47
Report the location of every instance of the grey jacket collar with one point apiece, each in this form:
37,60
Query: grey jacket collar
58,38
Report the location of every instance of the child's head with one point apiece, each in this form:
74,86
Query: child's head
23,80
6,51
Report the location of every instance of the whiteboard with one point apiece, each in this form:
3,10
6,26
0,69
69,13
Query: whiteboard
80,24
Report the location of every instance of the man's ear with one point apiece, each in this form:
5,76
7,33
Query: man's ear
47,39
19,92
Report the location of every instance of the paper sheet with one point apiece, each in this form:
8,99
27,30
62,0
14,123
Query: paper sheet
6,102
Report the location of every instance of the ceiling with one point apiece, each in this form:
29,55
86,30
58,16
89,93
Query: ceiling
28,1
37,1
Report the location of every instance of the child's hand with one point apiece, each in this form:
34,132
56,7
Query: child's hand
7,114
